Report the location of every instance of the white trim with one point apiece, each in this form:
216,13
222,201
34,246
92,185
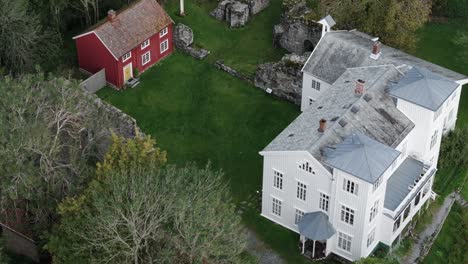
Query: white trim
143,58
165,30
129,57
316,46
161,44
82,35
462,82
131,70
143,46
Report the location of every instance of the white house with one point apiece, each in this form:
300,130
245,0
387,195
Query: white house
359,162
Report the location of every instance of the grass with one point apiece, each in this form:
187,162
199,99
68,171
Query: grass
451,243
198,113
241,48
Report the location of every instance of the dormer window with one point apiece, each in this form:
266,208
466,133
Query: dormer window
163,32
145,44
126,56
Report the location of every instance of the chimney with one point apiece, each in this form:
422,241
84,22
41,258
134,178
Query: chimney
111,14
376,47
323,125
359,87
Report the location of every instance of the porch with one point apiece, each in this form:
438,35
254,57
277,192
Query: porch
315,230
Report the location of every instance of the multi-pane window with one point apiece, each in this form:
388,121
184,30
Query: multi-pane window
397,223
145,44
324,202
276,209
315,85
434,138
350,186
406,212
298,216
164,46
277,179
377,184
374,210
126,56
347,215
163,32
305,165
145,58
344,241
301,191
371,237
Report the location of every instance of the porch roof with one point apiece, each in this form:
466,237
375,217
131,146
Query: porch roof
316,226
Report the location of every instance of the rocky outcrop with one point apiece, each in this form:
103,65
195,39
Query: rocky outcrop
237,13
183,40
283,78
295,33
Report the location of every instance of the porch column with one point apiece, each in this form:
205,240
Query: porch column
313,250
303,245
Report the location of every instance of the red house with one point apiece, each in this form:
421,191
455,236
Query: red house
134,38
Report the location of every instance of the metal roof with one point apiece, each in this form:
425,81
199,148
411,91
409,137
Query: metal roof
398,184
340,50
316,226
361,156
423,88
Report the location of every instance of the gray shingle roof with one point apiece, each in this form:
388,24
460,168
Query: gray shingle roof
339,50
316,226
424,88
401,179
361,156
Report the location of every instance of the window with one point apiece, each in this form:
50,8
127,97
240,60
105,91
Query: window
315,85
347,215
277,179
305,165
164,46
417,199
323,202
126,56
276,210
311,101
371,237
145,58
377,184
344,241
350,186
145,44
163,32
434,139
298,216
406,212
397,223
301,191
374,210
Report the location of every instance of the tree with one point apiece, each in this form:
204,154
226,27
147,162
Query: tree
137,212
375,260
24,42
393,21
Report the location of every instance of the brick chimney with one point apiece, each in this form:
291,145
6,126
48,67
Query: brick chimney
360,89
322,125
376,50
111,14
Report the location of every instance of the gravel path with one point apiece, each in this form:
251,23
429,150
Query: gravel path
262,252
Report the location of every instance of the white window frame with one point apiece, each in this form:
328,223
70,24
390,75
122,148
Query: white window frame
163,44
276,206
298,215
434,139
344,241
278,177
306,166
350,186
347,215
163,32
371,237
301,191
315,85
374,211
143,57
145,44
324,202
126,56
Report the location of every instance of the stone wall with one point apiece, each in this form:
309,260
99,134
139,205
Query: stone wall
237,12
183,40
284,78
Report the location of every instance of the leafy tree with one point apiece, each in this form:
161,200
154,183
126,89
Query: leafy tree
462,41
4,259
375,260
24,42
394,21
136,212
453,149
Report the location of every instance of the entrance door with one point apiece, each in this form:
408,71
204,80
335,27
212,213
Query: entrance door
128,72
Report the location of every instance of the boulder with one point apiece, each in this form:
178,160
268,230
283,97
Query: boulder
197,53
284,78
183,36
237,14
220,11
256,6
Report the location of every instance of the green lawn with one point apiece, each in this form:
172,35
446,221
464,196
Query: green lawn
241,48
198,113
